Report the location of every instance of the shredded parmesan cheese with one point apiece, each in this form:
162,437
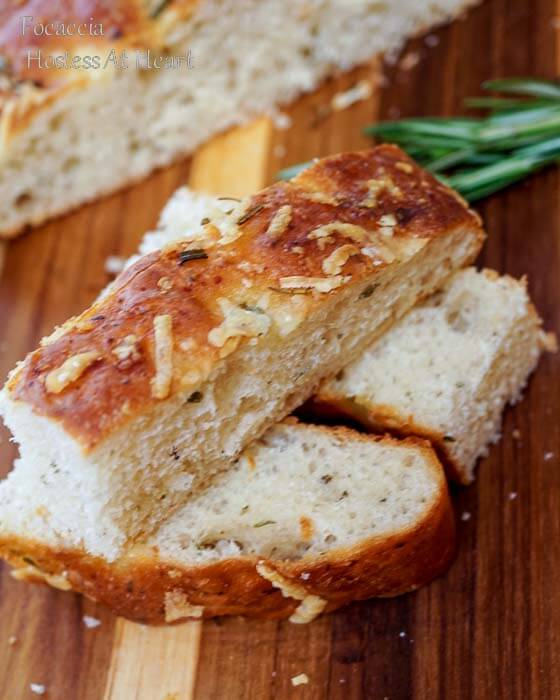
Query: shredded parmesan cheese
163,356
72,369
404,167
376,187
32,573
249,322
279,222
58,332
128,349
310,606
388,220
188,344
287,317
387,224
319,197
226,224
338,258
165,284
177,607
289,589
356,233
379,253
308,609
319,284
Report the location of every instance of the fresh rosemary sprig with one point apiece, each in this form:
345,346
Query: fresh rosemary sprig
479,156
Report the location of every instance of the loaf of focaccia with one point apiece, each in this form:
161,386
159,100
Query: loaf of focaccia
96,94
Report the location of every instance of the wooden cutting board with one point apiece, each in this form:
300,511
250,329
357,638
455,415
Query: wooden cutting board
491,626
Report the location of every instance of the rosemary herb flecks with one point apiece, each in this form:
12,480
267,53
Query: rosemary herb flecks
193,254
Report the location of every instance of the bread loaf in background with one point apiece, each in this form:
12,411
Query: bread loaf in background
68,136
197,349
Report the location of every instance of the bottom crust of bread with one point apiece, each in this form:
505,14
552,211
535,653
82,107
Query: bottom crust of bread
144,588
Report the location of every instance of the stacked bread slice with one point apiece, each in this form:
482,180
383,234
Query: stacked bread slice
145,424
445,371
309,518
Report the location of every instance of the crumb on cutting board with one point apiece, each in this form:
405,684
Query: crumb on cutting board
301,679
91,622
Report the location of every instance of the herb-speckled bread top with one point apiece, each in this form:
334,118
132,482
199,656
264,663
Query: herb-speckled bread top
174,315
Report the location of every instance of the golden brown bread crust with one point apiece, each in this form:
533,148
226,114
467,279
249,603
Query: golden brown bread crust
90,408
136,586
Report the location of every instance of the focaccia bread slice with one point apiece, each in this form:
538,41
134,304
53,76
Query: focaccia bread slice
72,132
198,348
447,369
309,518
445,372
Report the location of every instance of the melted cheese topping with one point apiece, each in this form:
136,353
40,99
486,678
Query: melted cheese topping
72,369
177,607
249,322
376,187
279,222
337,259
288,317
308,609
310,606
33,574
163,356
320,197
319,284
127,349
356,233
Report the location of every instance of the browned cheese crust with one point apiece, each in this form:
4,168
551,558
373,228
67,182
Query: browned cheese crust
111,390
139,585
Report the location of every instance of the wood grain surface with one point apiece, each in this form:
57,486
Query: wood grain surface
491,627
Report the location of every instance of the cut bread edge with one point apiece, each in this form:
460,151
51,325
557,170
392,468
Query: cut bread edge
145,587
525,341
